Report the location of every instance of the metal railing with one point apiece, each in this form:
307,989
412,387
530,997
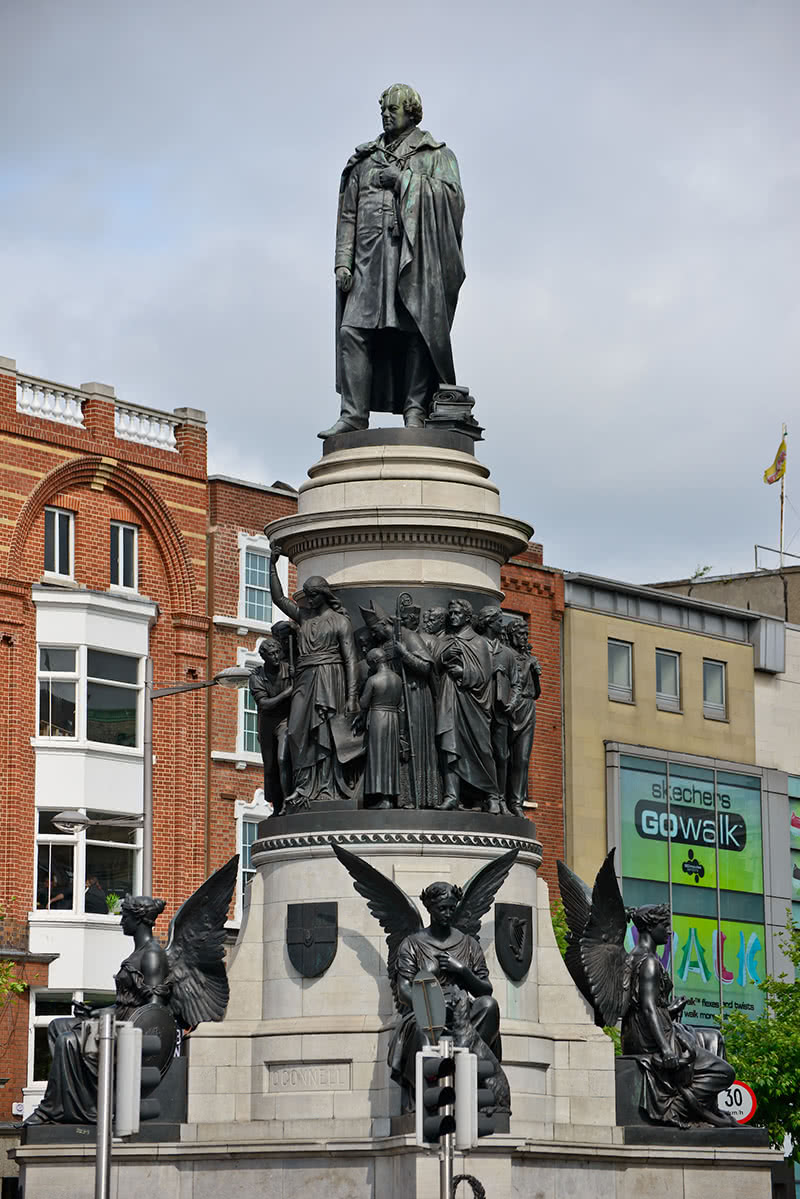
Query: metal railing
778,554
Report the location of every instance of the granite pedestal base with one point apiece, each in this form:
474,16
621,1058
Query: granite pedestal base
308,1055
390,1168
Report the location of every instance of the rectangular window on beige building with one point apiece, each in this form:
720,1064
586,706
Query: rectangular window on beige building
620,670
714,698
668,680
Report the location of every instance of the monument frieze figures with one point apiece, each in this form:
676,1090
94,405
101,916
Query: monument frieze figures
522,715
463,725
449,948
159,989
682,1068
325,692
398,267
271,688
442,718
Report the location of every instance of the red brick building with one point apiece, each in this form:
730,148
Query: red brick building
241,611
537,592
114,545
102,561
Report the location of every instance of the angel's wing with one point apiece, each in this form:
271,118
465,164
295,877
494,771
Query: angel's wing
397,914
195,950
480,891
577,900
601,946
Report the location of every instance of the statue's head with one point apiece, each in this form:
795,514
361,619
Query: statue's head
442,899
377,620
653,918
459,613
401,109
489,620
376,656
282,631
317,592
140,909
433,619
517,633
364,640
270,653
408,611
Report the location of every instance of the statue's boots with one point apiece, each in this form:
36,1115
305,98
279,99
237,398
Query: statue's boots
343,425
494,806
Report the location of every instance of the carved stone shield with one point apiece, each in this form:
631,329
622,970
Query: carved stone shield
513,938
312,930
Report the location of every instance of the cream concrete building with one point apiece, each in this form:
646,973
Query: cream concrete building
648,633
677,715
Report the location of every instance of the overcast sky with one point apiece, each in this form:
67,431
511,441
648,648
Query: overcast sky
630,321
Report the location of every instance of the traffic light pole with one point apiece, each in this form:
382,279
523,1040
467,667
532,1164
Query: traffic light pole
105,1090
447,1140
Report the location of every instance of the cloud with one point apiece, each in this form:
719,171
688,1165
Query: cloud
630,317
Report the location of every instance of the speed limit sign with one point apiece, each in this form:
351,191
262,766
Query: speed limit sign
738,1101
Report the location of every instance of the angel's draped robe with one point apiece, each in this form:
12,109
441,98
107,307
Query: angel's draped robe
671,1096
71,1094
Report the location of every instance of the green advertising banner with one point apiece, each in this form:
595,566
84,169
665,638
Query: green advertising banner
674,817
705,953
794,841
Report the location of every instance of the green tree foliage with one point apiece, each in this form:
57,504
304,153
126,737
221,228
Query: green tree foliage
10,985
560,926
766,1052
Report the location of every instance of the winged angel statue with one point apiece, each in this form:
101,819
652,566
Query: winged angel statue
157,989
449,949
683,1068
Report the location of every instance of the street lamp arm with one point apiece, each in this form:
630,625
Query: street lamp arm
175,688
231,676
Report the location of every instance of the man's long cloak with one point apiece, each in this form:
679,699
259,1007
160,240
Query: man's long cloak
463,729
405,244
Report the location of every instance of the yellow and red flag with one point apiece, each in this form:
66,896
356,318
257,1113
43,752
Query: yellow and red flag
778,468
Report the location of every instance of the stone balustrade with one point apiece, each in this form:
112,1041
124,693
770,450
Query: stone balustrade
50,401
145,426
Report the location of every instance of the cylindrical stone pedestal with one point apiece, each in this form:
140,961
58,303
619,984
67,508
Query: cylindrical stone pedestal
401,509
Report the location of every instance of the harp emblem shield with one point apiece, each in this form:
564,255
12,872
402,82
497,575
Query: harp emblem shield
312,931
513,938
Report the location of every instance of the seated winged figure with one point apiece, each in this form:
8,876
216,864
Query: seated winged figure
683,1068
157,989
450,950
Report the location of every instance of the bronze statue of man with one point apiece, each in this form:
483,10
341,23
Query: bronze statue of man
398,268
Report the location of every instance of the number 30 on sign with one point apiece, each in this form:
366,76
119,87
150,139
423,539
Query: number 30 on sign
738,1101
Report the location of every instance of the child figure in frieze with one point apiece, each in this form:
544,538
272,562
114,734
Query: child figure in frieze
380,716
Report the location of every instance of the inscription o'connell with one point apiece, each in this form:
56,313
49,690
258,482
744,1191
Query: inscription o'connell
308,1076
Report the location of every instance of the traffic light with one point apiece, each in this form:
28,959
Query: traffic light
435,1097
136,1078
471,1123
